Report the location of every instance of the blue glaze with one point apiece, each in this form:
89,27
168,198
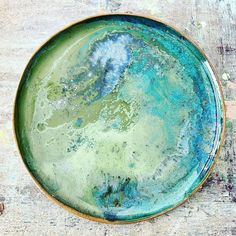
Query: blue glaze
78,122
132,117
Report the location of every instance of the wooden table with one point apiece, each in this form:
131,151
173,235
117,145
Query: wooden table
24,25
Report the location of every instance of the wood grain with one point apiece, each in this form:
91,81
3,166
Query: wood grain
24,25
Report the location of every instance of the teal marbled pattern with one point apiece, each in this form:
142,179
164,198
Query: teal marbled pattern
119,117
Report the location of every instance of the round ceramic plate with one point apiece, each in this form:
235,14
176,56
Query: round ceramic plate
119,118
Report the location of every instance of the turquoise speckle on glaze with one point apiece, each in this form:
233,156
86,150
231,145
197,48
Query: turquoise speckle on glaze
119,117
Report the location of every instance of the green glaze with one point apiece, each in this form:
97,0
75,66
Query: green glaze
119,117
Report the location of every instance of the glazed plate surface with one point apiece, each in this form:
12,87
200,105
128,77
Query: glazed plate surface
119,118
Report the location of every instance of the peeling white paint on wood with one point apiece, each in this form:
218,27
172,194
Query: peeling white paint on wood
24,25
231,109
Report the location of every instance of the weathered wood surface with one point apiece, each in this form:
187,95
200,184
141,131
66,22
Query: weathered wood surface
24,25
